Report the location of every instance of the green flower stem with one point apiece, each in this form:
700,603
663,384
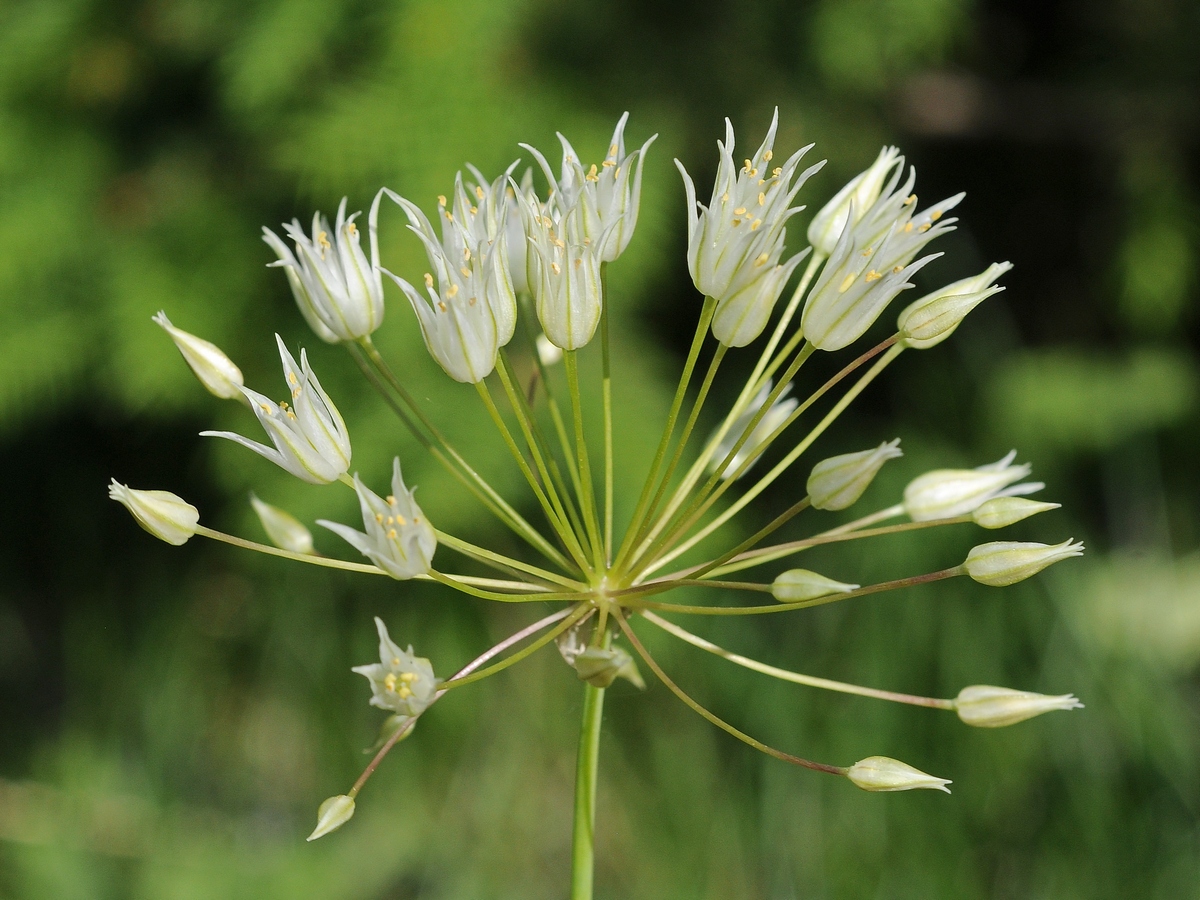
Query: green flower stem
490,653
763,555
771,527
587,770
883,586
578,614
453,581
555,514
714,719
504,563
606,395
464,473
794,677
312,559
587,497
706,314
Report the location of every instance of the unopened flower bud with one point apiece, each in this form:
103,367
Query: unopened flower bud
881,773
332,815
165,515
985,706
548,353
400,681
860,193
1000,512
1002,563
600,667
839,481
216,371
945,493
285,530
930,320
798,585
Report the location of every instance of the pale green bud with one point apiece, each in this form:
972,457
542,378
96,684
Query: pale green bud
1000,512
798,585
881,773
216,371
400,681
285,530
839,481
1002,563
859,194
600,667
985,706
945,493
332,815
930,320
165,515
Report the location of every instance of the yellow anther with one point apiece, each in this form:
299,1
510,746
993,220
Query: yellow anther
391,534
283,404
449,215
291,415
395,660
471,302
762,199
754,173
591,175
761,259
379,518
452,291
754,225
295,393
465,271
777,171
265,408
578,263
560,243
907,227
747,166
291,378
737,222
935,215
617,173
441,199
351,229
725,197
466,254
428,280
740,211
323,239
872,276
845,285
404,692
896,270
556,268
608,164
391,500
416,520
767,156
408,677
441,306
868,251
612,151
400,520
389,681
910,199
925,227
479,192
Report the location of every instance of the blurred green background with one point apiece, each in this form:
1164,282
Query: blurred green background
171,717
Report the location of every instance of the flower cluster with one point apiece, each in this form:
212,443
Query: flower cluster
501,248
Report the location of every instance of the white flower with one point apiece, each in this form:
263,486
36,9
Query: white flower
564,273
985,706
1000,512
608,196
871,264
839,481
859,195
1002,563
398,538
400,681
798,585
338,290
739,237
216,371
881,773
310,436
772,419
285,530
473,311
930,320
945,493
165,515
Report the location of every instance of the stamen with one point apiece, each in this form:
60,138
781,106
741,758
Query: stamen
910,200
296,393
725,197
465,271
479,192
608,164
612,151
391,534
935,215
762,199
925,227
896,270
441,306
737,222
907,227
556,268
591,175
441,199
762,259
351,229
777,171
323,240
428,280
845,285
265,408
872,276
391,500
379,518
452,291
767,155
755,224
740,211
747,166
578,263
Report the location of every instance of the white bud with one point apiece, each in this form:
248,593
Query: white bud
216,371
165,515
332,815
839,481
881,773
930,320
945,493
1002,563
859,193
1000,512
985,706
285,530
798,585
400,681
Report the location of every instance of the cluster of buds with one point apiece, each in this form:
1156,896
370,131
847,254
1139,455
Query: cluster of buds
499,240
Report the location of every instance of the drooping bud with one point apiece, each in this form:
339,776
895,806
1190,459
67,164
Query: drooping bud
285,530
945,493
398,537
601,666
881,773
165,515
798,585
839,481
859,194
985,706
400,681
332,815
1000,512
216,371
930,320
1002,563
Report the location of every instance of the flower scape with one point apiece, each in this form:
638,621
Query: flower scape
507,264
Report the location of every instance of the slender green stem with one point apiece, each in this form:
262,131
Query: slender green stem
577,615
587,497
504,563
587,770
458,584
606,393
685,377
794,677
326,561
